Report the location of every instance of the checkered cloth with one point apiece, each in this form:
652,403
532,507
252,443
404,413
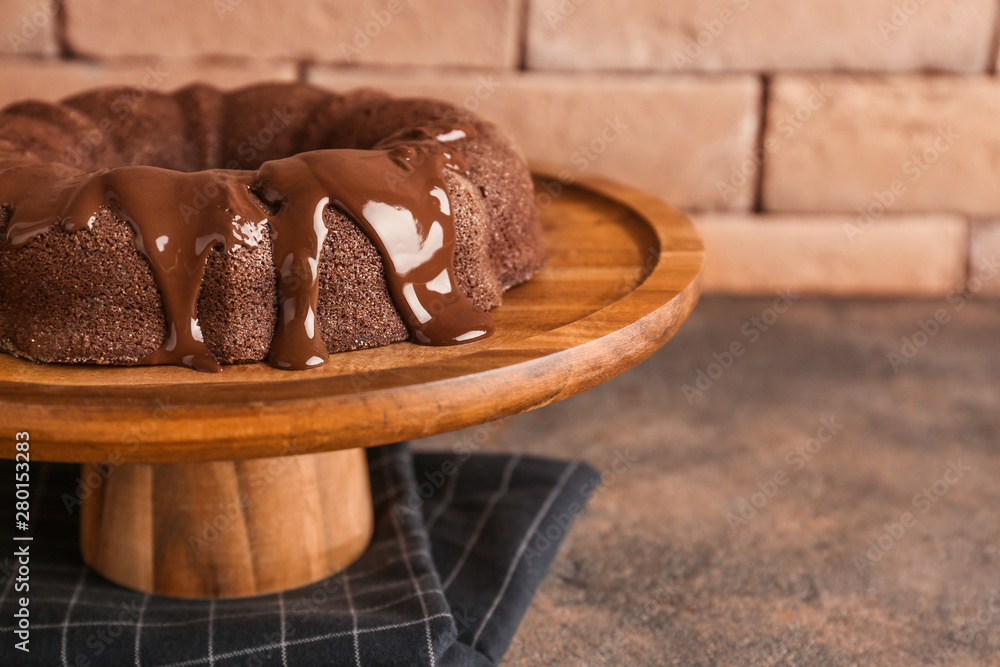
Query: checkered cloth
460,545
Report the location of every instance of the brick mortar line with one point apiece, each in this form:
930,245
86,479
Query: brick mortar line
67,55
61,34
991,63
765,101
523,23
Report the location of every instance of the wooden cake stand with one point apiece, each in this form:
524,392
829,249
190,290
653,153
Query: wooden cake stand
254,480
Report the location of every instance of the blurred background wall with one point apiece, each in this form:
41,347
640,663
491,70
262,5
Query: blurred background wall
841,147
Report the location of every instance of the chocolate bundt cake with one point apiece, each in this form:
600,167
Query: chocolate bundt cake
278,222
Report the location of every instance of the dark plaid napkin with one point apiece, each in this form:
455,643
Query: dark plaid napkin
461,543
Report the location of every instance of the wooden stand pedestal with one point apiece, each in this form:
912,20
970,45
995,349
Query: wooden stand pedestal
228,528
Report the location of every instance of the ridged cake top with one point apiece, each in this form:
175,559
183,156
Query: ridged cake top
395,192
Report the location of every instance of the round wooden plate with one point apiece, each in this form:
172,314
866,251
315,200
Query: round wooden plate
622,277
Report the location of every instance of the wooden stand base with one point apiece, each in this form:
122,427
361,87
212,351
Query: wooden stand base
231,528
622,277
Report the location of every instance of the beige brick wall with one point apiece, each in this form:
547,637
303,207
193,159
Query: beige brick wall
29,27
832,147
905,255
453,33
760,35
711,123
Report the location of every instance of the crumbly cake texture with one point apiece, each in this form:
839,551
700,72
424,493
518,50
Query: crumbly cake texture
90,296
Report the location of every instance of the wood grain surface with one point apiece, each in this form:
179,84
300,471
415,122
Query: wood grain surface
623,275
227,528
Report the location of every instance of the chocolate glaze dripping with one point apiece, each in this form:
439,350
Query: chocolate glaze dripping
177,218
395,193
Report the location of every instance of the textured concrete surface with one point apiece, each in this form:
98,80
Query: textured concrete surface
872,515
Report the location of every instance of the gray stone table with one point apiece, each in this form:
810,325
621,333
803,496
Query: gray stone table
819,502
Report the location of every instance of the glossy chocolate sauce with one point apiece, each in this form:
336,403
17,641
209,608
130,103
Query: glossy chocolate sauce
396,194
